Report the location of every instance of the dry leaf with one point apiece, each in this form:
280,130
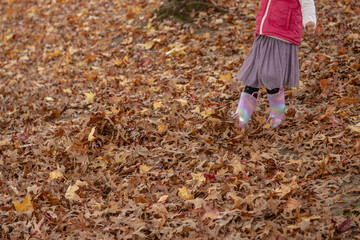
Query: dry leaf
25,205
91,135
207,113
355,128
144,169
157,104
163,199
184,194
197,179
55,175
162,128
89,97
71,193
238,167
183,102
211,213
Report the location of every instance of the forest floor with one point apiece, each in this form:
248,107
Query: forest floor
117,125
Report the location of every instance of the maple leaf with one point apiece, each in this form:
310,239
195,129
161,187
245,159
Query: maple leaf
25,205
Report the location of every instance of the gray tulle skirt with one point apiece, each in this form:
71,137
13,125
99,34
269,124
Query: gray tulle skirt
272,63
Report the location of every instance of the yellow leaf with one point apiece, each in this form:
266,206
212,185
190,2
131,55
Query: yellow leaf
355,128
91,135
144,168
162,128
157,104
353,36
148,45
293,227
163,198
207,113
177,49
284,190
26,205
226,78
55,175
56,53
89,97
196,110
71,193
73,50
184,194
197,179
183,102
67,90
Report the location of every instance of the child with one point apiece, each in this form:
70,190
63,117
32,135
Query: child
273,59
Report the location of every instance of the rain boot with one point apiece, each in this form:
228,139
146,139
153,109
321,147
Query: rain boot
245,109
277,108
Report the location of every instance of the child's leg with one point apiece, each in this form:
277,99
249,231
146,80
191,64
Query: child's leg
276,99
247,105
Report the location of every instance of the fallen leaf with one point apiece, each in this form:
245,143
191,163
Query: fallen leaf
157,104
183,102
184,194
144,168
344,226
207,113
197,179
238,167
163,199
71,193
355,128
25,205
211,213
89,97
91,135
162,128
292,204
55,175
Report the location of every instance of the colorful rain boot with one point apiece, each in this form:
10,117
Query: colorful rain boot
245,109
277,108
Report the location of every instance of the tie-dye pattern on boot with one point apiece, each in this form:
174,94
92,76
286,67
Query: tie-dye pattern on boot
246,107
277,108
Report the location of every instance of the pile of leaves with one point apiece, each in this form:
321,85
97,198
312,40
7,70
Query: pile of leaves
116,125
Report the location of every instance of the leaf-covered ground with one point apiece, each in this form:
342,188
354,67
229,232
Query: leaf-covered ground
114,125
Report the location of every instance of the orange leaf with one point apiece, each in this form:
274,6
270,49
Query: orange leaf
25,205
